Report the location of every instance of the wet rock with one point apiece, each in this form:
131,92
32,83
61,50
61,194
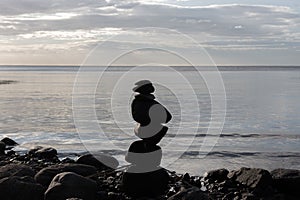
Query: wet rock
148,184
259,181
43,152
45,175
9,142
218,175
20,188
70,185
2,148
286,180
16,170
100,161
190,194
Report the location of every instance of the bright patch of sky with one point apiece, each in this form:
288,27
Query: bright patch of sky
245,32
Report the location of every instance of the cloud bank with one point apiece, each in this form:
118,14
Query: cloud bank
73,27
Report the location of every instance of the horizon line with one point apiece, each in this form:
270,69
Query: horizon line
76,65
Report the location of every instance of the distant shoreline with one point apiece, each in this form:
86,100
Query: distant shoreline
6,82
44,65
75,68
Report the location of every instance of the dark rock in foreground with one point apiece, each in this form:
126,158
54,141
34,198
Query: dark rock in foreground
218,175
96,183
45,176
70,185
258,181
19,170
20,188
287,180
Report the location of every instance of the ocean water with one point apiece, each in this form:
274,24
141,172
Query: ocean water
261,129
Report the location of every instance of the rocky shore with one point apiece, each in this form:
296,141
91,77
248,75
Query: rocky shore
41,175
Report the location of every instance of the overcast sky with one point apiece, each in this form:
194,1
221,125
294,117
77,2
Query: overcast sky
244,32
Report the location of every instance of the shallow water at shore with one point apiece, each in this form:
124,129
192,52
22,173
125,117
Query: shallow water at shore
261,125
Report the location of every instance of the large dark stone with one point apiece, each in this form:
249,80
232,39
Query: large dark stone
20,188
43,152
100,161
190,194
151,135
9,142
258,181
218,175
16,170
141,112
148,184
287,180
45,175
70,185
144,155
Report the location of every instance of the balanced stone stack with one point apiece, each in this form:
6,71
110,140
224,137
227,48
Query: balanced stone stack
145,177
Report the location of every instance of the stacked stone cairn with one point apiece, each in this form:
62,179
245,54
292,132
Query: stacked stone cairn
145,177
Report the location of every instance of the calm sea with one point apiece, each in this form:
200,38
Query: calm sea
262,124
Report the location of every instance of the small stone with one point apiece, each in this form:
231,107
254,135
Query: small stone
70,185
144,87
11,153
190,194
43,152
9,142
67,160
100,161
218,175
186,177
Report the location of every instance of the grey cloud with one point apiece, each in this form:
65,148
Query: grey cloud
218,20
262,24
17,7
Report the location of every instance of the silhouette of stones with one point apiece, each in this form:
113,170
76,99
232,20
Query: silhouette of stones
148,136
145,177
146,157
149,184
142,104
